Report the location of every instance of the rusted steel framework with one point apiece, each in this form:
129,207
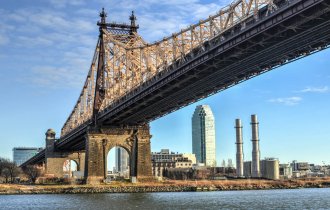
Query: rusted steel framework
123,61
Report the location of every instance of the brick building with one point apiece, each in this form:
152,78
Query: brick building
165,159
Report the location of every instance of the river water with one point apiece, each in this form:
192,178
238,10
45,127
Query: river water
251,199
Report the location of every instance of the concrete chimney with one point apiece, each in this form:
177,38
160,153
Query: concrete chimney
239,147
255,147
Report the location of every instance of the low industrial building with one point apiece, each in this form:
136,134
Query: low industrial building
299,166
247,169
165,159
270,168
285,171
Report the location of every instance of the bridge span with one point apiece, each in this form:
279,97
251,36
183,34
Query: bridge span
131,82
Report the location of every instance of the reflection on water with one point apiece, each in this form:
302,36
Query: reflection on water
253,199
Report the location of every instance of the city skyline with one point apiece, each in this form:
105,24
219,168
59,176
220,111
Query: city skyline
45,60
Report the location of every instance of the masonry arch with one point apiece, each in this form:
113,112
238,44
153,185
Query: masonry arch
70,168
118,161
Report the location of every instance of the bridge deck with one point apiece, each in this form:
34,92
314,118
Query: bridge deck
289,33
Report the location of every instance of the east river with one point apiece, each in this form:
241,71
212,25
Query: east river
250,199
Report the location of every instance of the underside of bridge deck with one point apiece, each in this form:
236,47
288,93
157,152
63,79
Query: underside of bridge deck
270,42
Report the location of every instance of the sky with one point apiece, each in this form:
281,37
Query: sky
46,48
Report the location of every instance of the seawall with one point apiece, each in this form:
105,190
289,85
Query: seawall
169,186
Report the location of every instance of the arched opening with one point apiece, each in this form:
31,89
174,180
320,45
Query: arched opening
118,164
70,168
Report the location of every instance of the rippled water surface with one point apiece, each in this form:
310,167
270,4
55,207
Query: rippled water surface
260,199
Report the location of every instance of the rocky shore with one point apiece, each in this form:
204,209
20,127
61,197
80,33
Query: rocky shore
168,186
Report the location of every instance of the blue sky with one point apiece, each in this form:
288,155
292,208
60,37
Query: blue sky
46,48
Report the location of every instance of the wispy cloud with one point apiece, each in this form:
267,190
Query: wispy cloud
289,101
324,89
160,18
65,37
3,39
70,72
56,77
64,3
4,28
65,43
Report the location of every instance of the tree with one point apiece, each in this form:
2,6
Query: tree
3,163
13,170
8,170
5,174
3,171
33,172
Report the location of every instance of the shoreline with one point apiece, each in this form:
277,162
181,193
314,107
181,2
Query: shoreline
168,186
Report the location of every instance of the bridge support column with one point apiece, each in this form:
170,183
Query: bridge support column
135,140
142,152
54,160
55,163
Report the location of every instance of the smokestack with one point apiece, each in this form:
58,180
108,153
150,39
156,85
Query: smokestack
255,146
239,147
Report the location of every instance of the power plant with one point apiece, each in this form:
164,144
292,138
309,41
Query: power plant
249,168
255,147
239,146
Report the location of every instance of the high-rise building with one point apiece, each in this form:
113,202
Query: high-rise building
203,135
122,161
22,154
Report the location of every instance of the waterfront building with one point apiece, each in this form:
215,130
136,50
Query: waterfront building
122,162
296,174
285,171
302,166
270,168
247,169
165,159
191,157
294,165
203,135
327,172
22,154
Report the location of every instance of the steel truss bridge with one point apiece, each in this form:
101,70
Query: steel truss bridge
131,82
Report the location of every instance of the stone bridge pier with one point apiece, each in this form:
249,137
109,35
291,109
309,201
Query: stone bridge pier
54,160
135,140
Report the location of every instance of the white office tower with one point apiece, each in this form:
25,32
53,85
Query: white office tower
239,149
255,147
122,161
203,135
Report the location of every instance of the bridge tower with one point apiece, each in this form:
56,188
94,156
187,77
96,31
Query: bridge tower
100,138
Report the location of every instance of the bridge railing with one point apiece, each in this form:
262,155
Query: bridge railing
130,64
